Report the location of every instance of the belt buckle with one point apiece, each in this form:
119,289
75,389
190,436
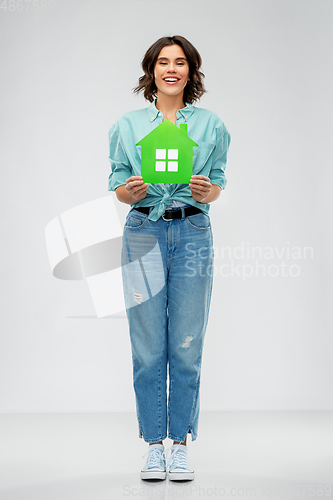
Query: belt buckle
167,220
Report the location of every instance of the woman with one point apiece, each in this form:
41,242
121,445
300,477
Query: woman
167,254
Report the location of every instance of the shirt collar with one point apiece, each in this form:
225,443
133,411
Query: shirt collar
185,112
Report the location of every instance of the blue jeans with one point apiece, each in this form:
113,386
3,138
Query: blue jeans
167,269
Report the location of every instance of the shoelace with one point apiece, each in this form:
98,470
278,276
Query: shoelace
154,457
177,458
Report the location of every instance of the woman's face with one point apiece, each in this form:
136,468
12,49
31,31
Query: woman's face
171,71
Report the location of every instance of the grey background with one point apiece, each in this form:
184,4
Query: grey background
66,76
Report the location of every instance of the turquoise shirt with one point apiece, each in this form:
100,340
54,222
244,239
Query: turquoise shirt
209,159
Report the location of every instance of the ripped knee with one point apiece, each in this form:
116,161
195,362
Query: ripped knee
187,341
137,297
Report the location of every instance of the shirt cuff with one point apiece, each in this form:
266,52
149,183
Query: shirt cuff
116,180
219,181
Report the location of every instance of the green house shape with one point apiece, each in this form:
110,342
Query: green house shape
167,154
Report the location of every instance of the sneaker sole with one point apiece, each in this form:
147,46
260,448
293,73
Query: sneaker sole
180,476
156,474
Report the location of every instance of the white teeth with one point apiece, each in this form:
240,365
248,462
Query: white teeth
171,79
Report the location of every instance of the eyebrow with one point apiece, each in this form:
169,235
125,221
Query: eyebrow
178,58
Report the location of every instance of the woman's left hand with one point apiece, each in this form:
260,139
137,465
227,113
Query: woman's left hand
200,186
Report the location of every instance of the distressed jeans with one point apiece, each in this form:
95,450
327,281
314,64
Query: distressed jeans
167,270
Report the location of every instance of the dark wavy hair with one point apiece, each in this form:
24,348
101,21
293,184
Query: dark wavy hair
194,88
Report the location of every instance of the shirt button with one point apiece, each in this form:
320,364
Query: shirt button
151,119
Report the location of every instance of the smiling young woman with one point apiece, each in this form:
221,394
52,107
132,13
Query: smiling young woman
171,75
167,254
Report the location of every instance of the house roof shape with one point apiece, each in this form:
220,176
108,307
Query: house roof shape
168,132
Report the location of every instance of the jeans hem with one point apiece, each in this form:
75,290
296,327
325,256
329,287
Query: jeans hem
182,439
154,440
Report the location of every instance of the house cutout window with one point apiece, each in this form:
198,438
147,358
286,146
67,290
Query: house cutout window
162,160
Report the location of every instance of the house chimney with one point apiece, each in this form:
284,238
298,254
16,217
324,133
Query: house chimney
183,128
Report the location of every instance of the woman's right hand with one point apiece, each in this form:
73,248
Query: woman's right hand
136,187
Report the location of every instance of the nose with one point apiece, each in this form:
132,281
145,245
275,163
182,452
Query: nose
171,68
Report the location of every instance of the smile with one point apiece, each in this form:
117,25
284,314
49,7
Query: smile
171,80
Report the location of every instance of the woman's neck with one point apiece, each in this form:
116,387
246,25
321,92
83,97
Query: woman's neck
169,105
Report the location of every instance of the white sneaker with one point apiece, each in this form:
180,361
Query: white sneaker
179,468
155,467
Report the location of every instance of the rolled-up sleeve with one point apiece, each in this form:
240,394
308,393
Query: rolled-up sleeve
219,157
120,166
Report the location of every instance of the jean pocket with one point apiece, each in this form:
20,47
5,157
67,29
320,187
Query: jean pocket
136,220
201,221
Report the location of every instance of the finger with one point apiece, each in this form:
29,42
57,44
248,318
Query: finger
139,190
203,177
134,178
199,182
197,191
201,191
133,184
144,187
199,186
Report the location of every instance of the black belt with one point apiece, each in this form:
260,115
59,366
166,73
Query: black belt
172,213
